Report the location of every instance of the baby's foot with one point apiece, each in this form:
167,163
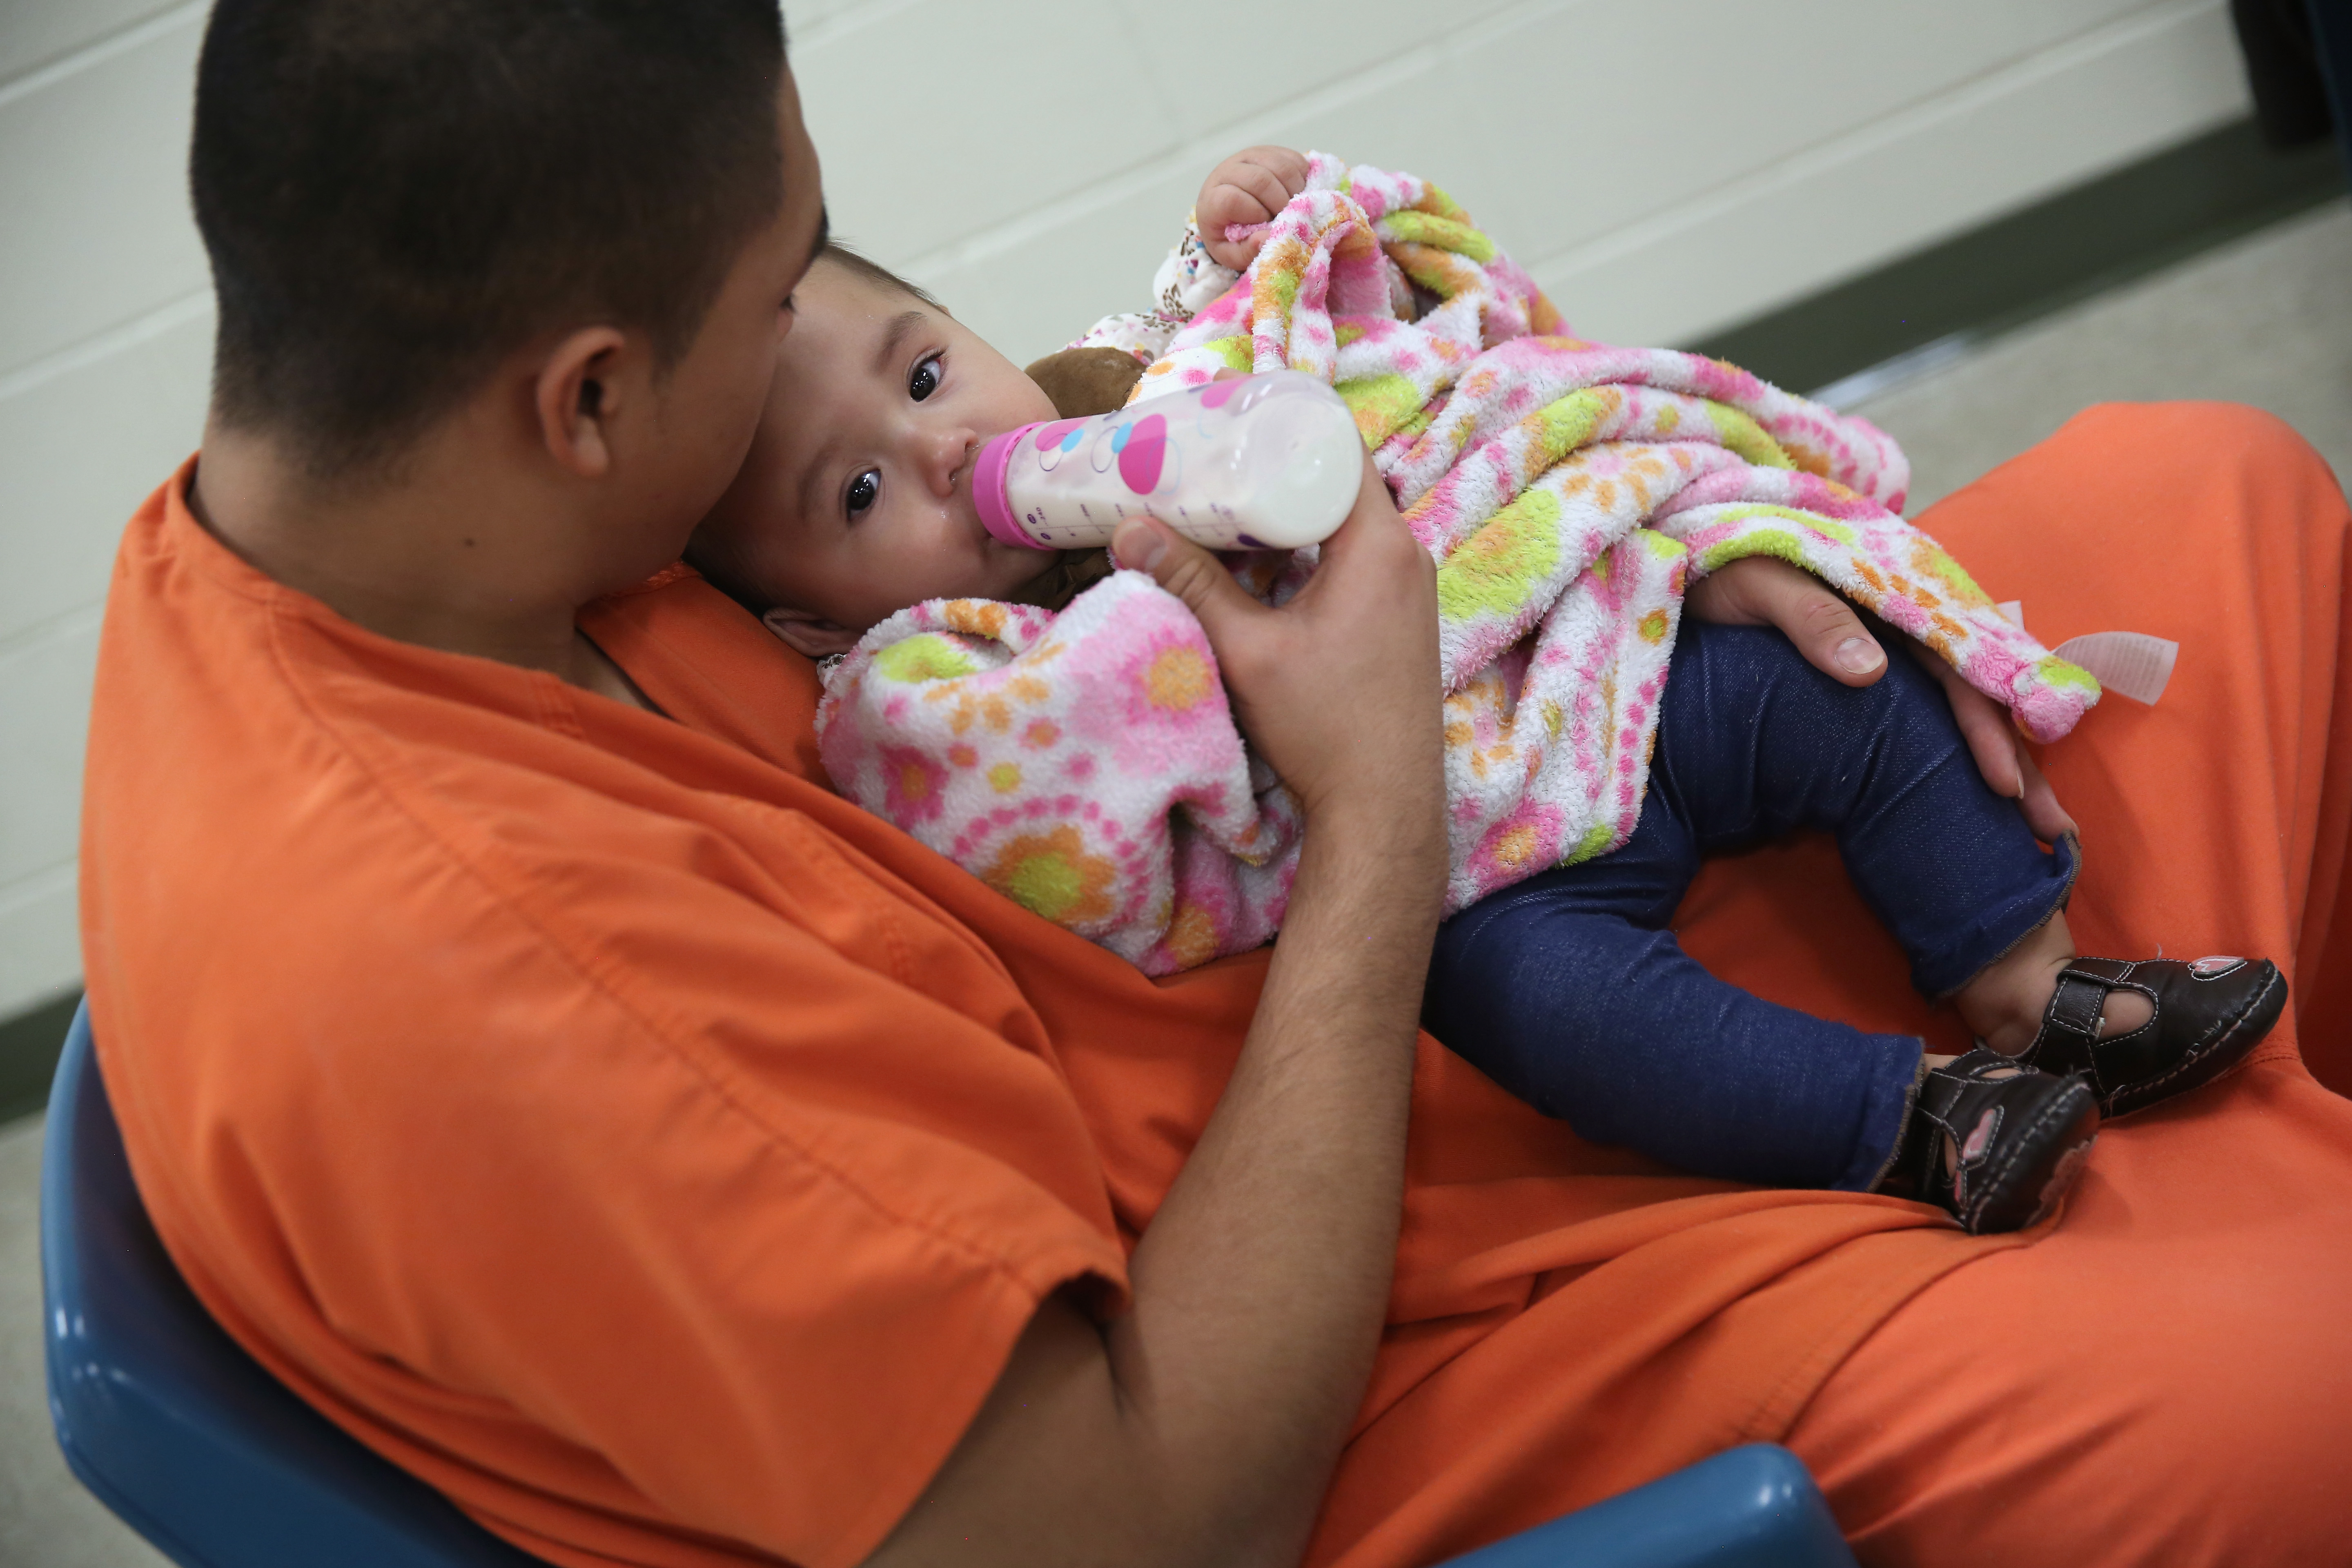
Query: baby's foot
2197,1021
2006,1004
1996,1144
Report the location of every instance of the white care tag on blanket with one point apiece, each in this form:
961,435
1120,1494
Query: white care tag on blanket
2133,663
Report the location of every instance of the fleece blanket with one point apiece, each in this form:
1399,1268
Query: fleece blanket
1087,763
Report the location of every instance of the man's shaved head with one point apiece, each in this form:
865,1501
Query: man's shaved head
396,193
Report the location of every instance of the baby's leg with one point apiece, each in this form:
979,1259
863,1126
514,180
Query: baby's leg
1765,743
1762,742
1568,990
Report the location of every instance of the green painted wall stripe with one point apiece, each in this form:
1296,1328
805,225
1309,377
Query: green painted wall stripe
2144,216
29,1044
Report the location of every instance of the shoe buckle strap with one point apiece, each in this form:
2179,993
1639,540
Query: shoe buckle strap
2076,1006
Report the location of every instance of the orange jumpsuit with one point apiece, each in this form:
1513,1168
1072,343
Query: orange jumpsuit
594,1114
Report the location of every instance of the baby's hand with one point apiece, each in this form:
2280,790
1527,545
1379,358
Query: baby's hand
1249,188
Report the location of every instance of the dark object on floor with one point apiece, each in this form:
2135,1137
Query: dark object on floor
2283,68
2331,41
219,1466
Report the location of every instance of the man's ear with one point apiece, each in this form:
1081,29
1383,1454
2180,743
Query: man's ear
577,394
810,633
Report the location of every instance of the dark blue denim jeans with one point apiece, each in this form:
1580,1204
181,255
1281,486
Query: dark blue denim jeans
1569,989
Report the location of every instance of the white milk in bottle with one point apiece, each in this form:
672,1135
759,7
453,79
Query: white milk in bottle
1268,461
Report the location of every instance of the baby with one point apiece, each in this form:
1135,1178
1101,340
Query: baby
1568,987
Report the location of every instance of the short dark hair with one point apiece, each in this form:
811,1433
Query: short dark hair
859,265
395,193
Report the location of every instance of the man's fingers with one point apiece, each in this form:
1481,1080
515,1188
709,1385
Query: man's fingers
1824,628
1984,725
1759,590
2048,819
1185,570
1762,591
2009,769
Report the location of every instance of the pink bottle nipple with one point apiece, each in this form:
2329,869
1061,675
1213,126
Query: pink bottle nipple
988,489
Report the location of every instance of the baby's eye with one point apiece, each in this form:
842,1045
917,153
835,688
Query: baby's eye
863,489
926,379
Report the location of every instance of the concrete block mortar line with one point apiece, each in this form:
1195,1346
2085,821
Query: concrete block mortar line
99,51
193,305
56,628
1201,152
39,883
1824,156
1204,149
843,23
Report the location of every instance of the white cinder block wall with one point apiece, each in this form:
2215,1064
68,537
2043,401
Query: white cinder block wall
1663,170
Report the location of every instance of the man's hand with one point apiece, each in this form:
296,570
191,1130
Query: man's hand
1762,591
1249,188
1339,689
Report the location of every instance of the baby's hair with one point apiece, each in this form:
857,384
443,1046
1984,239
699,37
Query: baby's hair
711,552
873,272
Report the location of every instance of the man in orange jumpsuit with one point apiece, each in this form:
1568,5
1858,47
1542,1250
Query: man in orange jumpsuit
529,1060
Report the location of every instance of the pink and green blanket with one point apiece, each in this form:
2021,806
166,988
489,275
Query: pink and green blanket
1086,762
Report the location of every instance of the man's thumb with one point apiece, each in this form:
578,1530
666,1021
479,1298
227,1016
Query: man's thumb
1184,569
1827,631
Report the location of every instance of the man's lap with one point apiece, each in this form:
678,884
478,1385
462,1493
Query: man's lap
2160,1376
2161,1379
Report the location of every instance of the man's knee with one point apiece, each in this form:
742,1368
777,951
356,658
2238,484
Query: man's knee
2194,437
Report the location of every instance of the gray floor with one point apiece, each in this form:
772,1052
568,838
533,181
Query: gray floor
2266,322
46,1520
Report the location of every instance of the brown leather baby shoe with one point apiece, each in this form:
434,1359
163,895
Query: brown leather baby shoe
1996,1144
2209,1015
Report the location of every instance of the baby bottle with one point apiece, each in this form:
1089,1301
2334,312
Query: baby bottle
1268,461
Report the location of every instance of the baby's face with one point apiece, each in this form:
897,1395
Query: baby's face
855,499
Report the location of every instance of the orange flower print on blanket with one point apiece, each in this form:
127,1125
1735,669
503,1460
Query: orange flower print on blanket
1051,875
915,781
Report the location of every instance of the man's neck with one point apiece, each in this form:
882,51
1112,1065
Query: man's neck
444,556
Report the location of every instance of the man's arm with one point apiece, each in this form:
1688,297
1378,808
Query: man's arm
1202,1425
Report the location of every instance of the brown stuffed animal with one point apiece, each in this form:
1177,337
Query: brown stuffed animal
1084,382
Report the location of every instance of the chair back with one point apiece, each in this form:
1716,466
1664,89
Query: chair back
171,1425
1750,1506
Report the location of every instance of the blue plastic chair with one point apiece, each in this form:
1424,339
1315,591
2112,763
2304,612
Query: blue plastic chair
220,1465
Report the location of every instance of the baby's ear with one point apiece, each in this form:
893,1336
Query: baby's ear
808,633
